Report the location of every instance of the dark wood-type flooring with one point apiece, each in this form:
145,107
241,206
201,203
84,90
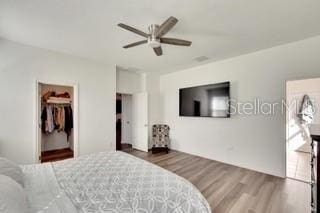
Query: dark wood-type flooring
55,155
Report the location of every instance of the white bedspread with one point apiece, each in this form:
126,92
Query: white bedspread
43,191
109,182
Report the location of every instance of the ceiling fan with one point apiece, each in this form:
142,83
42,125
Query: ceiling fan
155,36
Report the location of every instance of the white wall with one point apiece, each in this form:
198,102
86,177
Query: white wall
126,119
257,142
152,87
298,137
21,66
129,82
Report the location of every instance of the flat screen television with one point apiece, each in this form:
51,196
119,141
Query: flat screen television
211,100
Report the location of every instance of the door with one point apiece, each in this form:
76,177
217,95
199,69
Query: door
140,121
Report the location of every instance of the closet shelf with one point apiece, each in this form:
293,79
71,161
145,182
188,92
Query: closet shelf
58,101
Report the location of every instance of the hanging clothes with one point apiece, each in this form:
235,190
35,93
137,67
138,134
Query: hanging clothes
43,119
68,120
61,118
47,120
56,117
49,123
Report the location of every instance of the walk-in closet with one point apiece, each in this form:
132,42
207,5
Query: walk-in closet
56,122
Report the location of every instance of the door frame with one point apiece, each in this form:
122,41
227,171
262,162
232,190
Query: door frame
147,123
75,86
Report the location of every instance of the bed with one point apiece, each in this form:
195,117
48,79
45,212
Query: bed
108,182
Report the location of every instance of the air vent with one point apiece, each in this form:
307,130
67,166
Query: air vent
201,58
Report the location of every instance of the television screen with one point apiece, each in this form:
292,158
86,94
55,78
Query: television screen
206,101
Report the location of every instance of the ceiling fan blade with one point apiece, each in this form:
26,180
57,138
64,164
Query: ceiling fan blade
134,30
135,44
158,51
166,26
175,41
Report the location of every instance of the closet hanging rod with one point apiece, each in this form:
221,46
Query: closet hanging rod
58,104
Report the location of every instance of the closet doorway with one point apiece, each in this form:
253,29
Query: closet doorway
124,122
56,121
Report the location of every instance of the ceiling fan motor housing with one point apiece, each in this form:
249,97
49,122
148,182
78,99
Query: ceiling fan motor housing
152,40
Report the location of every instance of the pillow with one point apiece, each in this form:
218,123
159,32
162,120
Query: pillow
11,169
12,196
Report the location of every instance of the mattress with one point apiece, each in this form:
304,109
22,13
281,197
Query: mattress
109,182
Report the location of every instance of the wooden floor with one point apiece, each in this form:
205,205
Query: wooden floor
55,155
232,189
125,147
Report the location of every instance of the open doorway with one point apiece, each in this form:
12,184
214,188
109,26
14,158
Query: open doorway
56,138
132,121
124,122
303,99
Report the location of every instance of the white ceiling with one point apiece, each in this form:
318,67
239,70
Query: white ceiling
219,29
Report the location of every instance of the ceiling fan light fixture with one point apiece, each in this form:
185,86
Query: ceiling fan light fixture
153,42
